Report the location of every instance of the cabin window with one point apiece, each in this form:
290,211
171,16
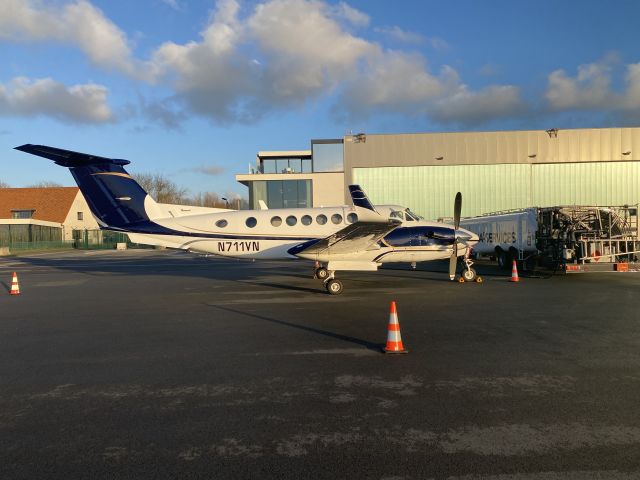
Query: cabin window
352,218
291,220
336,218
306,220
321,219
251,222
276,221
221,223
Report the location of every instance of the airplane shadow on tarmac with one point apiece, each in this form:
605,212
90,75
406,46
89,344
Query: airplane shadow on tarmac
358,341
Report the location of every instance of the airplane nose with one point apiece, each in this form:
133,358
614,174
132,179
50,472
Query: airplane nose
467,236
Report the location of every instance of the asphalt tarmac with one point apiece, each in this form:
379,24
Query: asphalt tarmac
149,364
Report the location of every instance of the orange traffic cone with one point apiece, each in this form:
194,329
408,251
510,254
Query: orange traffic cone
514,273
15,288
394,340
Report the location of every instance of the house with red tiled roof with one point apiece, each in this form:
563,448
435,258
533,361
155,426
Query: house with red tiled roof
54,212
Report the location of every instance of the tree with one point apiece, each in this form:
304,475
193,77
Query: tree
207,199
161,188
45,184
4,184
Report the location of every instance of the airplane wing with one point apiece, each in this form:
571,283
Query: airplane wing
357,237
360,236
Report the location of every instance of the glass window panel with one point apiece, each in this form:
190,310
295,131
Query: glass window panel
258,191
327,157
306,165
281,165
221,223
352,218
321,219
306,219
274,193
336,218
295,164
290,194
304,193
251,222
269,166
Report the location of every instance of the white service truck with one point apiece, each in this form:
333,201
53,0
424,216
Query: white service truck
506,236
574,238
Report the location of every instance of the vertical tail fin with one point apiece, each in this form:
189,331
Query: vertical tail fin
115,198
360,198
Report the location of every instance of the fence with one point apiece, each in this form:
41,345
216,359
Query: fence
39,237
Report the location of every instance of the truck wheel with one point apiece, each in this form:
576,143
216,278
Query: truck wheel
503,260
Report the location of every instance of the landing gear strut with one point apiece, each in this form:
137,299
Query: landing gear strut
320,272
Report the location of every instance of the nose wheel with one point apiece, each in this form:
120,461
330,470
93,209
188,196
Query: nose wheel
468,273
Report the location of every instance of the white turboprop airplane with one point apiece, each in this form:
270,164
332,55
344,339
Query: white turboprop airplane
359,237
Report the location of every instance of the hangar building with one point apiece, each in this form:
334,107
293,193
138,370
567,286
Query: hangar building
495,171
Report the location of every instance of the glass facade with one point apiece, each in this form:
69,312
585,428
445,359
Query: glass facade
286,165
328,155
281,193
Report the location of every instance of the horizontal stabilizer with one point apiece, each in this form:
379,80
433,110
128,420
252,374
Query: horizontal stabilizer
67,158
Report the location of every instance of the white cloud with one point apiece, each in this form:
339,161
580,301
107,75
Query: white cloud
173,4
307,52
77,104
78,23
281,54
473,108
350,14
400,35
592,89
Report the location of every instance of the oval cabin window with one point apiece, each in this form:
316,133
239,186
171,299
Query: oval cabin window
321,219
276,221
306,220
221,223
251,222
291,220
352,218
336,218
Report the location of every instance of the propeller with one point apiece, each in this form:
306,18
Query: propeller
453,261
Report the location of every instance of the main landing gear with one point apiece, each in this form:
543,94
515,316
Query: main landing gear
332,284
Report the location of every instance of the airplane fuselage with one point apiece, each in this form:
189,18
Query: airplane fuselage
275,234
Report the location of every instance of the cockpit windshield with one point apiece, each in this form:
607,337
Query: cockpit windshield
412,216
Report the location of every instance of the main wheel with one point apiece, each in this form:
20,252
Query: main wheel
469,274
322,273
334,286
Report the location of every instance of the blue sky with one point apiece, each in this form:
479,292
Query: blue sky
194,89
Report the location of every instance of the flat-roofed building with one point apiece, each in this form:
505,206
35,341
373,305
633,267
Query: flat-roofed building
297,178
494,170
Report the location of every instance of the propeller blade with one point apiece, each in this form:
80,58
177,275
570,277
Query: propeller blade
453,261
457,209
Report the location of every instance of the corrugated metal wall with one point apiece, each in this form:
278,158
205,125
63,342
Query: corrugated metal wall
430,190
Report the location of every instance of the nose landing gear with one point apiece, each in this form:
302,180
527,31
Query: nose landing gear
468,273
